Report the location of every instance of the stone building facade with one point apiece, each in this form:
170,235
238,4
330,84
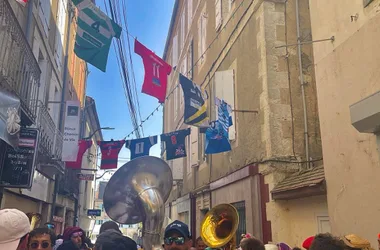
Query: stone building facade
229,48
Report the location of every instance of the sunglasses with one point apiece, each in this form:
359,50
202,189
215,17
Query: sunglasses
44,245
176,240
77,234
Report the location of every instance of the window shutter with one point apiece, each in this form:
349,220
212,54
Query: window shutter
177,169
189,13
225,89
182,31
44,13
60,33
190,61
194,156
176,106
200,37
218,14
175,51
203,36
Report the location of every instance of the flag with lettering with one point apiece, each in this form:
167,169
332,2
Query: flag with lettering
94,34
156,72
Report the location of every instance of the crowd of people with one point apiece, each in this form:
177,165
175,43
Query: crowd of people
15,234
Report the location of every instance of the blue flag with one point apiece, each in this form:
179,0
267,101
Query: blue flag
217,139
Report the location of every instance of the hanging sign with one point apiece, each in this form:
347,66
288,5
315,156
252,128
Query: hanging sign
18,167
94,212
71,131
85,177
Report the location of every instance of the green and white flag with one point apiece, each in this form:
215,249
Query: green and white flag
94,34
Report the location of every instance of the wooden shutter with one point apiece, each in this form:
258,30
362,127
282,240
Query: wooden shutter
204,33
182,31
177,169
218,14
194,156
175,51
190,61
189,13
60,33
44,14
225,89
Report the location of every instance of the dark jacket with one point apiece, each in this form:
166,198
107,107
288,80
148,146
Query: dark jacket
68,245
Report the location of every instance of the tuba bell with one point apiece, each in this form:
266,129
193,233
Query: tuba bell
137,193
219,226
34,219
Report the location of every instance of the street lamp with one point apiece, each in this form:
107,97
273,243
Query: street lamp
93,133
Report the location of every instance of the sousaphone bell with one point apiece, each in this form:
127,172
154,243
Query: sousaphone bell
137,193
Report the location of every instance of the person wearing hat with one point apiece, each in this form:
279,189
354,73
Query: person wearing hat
113,240
177,236
327,242
307,242
354,242
14,229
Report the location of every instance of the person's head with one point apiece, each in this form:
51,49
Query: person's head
109,225
307,242
177,236
114,240
14,228
75,234
199,244
59,237
283,246
41,238
252,244
326,242
296,248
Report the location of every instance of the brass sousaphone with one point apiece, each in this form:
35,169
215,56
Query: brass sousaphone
137,193
34,219
219,226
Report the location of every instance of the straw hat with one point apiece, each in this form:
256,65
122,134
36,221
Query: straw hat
354,241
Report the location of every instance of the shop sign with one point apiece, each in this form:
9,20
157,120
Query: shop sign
18,167
85,177
94,212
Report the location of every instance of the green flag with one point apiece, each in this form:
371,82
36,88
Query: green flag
94,34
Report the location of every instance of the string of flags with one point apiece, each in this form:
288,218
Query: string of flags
95,33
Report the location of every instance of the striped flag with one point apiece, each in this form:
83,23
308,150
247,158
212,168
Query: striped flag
22,2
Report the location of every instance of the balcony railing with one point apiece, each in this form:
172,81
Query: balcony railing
19,70
51,139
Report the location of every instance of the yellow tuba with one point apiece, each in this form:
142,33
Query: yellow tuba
34,219
219,226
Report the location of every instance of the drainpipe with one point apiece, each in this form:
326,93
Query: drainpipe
306,131
61,112
29,18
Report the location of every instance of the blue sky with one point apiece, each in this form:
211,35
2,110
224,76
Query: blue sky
148,20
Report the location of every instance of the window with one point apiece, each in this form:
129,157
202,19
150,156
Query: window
218,14
202,25
44,14
242,227
189,13
323,224
175,51
225,90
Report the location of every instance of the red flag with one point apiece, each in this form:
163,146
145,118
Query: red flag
83,146
22,2
110,153
156,73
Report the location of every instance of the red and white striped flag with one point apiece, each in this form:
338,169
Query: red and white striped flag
22,2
